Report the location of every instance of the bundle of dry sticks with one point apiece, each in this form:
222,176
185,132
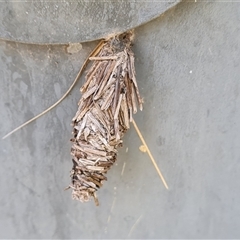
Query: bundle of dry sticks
110,97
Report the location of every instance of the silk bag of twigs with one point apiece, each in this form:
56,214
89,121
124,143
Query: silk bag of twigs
110,97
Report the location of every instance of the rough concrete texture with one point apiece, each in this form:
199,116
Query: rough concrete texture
188,70
74,20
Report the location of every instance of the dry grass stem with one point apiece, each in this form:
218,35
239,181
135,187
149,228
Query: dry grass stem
149,153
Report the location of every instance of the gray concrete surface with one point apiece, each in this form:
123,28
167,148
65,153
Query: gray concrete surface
187,64
74,21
